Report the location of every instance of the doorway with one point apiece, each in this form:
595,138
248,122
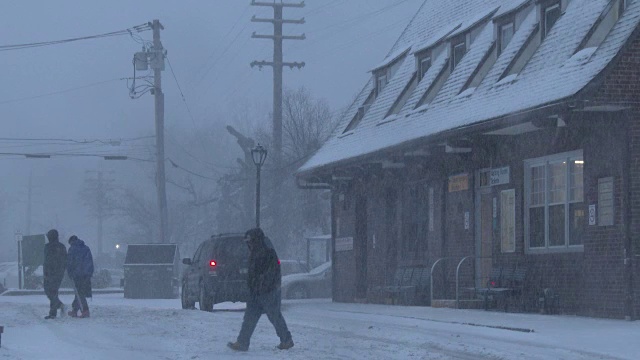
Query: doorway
360,247
484,238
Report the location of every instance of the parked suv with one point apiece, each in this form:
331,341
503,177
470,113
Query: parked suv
217,273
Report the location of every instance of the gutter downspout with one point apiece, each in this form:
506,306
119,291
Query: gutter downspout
627,200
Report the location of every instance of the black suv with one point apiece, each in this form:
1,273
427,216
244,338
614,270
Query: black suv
217,273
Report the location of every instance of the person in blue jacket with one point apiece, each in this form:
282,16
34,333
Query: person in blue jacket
80,270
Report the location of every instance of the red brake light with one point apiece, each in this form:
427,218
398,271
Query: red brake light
278,261
212,263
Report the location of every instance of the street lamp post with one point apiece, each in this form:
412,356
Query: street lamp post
259,155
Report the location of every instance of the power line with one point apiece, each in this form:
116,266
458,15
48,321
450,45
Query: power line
128,31
59,92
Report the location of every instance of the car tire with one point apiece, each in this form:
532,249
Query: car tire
205,302
187,304
298,292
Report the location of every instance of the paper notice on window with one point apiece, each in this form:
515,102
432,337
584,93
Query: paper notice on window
508,220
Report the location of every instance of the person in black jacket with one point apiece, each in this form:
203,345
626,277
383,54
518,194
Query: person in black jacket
263,279
55,262
80,270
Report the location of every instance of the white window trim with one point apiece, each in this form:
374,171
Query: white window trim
547,10
422,60
546,160
454,63
511,25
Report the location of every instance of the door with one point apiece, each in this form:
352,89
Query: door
193,273
485,238
360,247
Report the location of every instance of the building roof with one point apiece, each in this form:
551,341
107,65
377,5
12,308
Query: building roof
555,71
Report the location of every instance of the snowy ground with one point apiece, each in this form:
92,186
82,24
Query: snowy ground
158,329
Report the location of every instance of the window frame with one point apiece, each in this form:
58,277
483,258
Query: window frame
421,59
510,23
544,11
546,162
455,43
379,76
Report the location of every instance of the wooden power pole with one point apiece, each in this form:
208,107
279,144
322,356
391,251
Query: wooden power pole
157,64
277,64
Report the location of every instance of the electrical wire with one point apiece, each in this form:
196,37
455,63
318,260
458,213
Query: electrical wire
26,98
128,31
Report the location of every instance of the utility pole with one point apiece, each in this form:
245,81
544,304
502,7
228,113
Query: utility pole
277,64
29,198
157,64
153,56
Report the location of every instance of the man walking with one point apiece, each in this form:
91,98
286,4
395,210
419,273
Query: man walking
55,261
264,279
80,270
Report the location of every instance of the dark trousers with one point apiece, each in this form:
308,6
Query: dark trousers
257,305
83,291
51,288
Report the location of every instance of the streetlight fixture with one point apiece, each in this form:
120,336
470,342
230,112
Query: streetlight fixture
259,155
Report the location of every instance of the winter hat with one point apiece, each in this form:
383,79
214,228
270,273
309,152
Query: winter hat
52,235
72,239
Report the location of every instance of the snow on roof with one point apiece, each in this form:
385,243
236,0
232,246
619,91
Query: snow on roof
439,36
545,79
510,6
471,22
391,58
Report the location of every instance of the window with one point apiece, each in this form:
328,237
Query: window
505,34
362,110
555,213
381,82
550,14
424,63
459,48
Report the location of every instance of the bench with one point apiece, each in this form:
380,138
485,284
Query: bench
409,285
504,282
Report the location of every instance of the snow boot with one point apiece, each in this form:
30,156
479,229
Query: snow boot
73,313
237,346
285,345
84,314
49,317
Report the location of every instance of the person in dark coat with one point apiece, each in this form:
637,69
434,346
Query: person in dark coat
80,270
263,279
55,262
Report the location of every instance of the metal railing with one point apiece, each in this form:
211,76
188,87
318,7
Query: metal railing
458,279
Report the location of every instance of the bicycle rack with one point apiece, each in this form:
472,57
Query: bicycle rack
458,279
431,276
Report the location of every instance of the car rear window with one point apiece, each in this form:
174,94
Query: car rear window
231,250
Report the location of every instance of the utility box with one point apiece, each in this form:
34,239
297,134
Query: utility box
151,271
141,62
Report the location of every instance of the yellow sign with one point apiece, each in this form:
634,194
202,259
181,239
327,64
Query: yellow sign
459,183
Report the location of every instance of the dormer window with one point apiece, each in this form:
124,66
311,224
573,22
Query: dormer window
551,12
505,34
458,49
424,63
381,82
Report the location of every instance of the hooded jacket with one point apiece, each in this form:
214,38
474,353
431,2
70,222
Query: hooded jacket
264,274
80,260
55,258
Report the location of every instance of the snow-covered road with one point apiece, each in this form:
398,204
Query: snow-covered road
158,329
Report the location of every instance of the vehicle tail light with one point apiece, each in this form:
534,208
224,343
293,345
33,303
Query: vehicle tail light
212,268
212,263
278,261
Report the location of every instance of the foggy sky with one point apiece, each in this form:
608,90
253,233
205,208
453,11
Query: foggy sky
342,45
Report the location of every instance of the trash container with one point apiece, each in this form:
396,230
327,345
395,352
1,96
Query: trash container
151,271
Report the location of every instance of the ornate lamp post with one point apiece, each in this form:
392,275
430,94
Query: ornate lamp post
259,155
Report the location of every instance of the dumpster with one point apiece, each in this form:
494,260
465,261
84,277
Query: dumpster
151,271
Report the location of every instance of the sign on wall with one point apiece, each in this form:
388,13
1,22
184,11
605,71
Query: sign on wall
458,183
605,201
344,244
508,221
495,177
